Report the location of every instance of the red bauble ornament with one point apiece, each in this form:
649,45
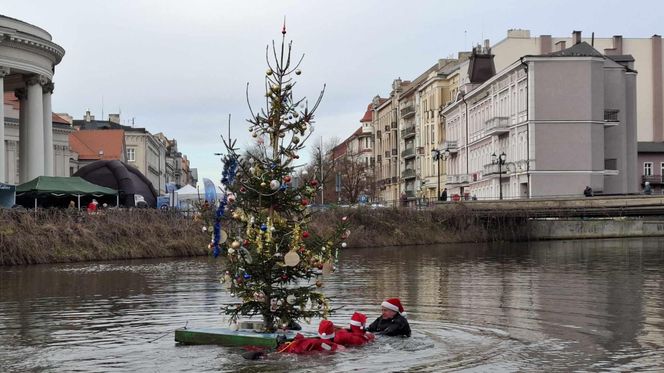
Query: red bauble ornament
313,183
287,179
245,242
305,234
304,201
243,190
284,277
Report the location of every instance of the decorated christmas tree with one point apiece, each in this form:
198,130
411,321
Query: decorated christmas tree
276,266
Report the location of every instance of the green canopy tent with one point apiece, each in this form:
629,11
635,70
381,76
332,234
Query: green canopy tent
58,187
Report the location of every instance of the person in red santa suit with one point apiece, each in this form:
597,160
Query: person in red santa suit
356,335
324,342
392,321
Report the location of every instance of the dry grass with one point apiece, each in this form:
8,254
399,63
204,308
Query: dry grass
402,226
55,235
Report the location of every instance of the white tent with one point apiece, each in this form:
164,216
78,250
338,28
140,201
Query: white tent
187,194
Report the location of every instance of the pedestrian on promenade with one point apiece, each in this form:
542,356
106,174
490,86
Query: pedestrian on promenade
443,195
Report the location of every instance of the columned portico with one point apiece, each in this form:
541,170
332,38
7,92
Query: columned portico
48,130
27,63
3,72
35,141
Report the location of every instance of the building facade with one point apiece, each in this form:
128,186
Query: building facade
28,57
561,121
60,130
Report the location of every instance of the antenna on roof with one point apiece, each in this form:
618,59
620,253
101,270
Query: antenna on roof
132,122
102,107
592,40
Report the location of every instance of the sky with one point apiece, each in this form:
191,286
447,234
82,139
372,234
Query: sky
181,67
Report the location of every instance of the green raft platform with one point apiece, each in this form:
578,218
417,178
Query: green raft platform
228,337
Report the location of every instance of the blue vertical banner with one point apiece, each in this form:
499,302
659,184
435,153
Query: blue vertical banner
7,195
210,190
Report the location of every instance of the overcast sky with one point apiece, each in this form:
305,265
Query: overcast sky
180,67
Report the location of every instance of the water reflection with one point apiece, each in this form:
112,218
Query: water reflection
563,305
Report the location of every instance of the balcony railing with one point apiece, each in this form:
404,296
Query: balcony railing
408,152
451,146
497,126
408,173
408,111
408,132
457,179
410,193
611,115
652,179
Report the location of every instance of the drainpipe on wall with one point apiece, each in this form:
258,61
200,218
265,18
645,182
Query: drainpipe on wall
525,67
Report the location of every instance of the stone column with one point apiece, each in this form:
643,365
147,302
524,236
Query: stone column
22,96
49,169
3,72
36,127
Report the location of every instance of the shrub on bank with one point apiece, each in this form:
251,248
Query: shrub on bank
67,235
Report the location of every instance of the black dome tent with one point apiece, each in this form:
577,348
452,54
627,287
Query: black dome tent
127,179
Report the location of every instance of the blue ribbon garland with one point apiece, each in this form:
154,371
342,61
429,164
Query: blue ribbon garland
228,177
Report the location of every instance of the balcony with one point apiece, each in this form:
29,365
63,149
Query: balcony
457,179
652,179
410,193
497,126
408,132
408,152
408,173
408,111
492,168
451,146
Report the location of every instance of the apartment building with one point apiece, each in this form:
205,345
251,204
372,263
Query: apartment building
546,125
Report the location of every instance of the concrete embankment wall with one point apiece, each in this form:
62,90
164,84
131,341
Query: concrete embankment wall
593,228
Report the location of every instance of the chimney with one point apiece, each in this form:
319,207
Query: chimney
546,44
87,117
487,47
617,44
114,118
576,37
560,45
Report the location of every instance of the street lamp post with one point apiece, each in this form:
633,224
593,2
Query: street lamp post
501,161
437,155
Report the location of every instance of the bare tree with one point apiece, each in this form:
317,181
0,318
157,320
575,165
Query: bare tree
356,178
322,166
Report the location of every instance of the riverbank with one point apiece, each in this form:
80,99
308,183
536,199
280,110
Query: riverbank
64,235
56,236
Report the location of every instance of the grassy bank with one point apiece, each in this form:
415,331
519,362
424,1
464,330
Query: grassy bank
401,226
55,235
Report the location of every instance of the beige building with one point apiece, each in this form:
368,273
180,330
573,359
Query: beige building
508,137
144,150
648,58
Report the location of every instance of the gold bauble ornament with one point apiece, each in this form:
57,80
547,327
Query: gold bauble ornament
235,244
291,259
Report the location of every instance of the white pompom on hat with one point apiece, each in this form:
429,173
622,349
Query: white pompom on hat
326,329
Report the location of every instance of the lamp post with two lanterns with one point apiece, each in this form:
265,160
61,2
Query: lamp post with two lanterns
437,155
500,160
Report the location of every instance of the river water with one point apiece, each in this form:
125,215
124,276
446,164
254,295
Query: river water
593,305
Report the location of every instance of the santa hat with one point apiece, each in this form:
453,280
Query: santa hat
326,329
393,304
358,319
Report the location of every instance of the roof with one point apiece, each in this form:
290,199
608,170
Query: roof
368,115
63,185
89,143
581,49
650,147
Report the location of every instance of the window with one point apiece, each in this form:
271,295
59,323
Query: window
131,155
647,168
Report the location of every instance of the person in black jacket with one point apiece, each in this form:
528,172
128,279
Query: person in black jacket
392,321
